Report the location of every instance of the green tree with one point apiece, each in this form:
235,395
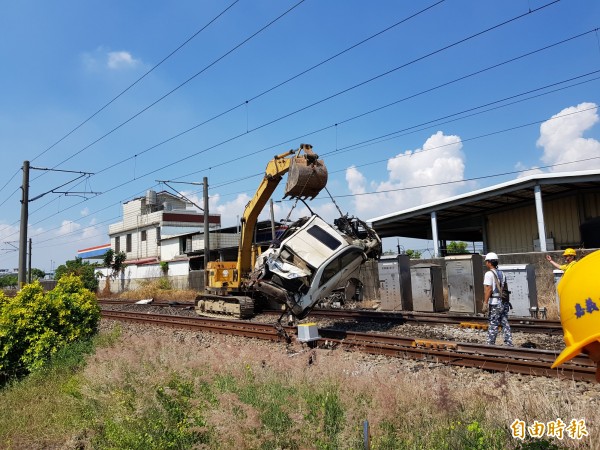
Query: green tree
413,254
115,262
83,270
37,274
457,248
9,281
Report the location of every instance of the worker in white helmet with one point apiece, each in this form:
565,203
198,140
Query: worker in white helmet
493,283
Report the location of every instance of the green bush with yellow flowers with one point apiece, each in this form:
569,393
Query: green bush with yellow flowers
36,324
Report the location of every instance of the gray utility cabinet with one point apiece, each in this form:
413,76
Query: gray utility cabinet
395,290
464,274
521,284
427,287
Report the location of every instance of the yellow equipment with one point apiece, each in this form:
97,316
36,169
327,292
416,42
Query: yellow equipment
579,293
225,292
569,252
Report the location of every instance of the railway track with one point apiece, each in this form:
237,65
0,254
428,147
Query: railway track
505,359
523,324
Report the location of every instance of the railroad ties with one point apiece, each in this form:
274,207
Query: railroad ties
526,361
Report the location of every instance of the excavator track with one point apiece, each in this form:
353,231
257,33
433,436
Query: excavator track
239,307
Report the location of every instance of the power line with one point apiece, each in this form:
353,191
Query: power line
430,123
424,186
328,98
354,146
138,80
270,89
178,161
180,85
464,180
460,41
416,127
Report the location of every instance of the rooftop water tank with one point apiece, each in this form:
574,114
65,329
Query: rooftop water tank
150,197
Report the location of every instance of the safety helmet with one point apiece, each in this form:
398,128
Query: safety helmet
569,252
491,257
579,291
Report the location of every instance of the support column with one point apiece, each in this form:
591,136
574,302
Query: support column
434,234
29,264
539,212
206,232
24,220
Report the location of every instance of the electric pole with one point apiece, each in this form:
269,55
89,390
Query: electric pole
29,263
25,214
206,232
24,219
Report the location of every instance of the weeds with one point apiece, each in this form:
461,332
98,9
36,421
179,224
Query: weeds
141,390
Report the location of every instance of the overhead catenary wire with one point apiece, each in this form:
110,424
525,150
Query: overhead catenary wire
363,143
278,119
423,186
270,89
179,86
152,69
339,122
431,123
470,179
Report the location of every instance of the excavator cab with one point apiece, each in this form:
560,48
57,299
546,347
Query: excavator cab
307,174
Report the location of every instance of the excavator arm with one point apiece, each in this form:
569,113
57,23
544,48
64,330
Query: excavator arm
308,176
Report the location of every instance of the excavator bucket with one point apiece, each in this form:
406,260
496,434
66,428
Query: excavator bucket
306,178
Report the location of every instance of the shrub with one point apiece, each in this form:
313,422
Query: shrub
34,325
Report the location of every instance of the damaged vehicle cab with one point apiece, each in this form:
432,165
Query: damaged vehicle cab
311,259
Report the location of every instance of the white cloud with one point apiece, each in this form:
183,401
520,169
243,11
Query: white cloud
101,58
68,227
439,160
121,60
525,171
84,212
562,141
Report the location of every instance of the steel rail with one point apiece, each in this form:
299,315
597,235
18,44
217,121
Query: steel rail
523,324
494,358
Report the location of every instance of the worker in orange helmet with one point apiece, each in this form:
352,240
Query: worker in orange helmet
570,256
579,292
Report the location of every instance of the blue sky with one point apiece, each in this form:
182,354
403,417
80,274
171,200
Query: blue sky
393,95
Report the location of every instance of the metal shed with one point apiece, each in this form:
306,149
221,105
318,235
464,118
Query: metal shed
535,213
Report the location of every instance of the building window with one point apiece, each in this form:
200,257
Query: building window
128,244
157,235
117,244
143,235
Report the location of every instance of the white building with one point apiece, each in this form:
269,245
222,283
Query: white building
149,220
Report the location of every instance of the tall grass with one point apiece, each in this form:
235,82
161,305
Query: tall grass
150,391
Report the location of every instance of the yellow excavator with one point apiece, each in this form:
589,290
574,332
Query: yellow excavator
228,290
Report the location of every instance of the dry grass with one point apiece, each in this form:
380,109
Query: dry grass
411,403
158,289
228,393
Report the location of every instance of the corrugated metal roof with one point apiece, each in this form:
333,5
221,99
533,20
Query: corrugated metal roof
459,217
